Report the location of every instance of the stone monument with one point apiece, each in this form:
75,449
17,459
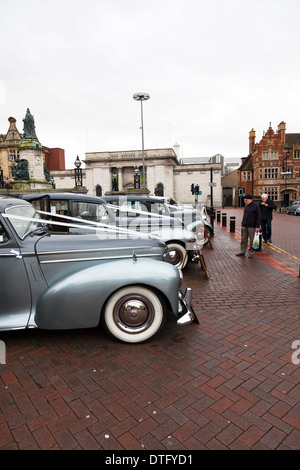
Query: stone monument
30,172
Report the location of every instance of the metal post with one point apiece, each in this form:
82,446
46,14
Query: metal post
143,150
224,219
142,97
232,224
211,200
218,216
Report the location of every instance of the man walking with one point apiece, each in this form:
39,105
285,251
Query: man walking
250,225
266,211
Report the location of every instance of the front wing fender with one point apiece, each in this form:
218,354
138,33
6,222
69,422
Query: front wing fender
76,301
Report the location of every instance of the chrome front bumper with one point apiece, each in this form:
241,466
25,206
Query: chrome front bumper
185,308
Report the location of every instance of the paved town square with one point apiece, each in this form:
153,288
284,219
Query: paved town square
231,382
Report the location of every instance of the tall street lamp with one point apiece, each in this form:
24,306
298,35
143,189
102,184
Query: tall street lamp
142,97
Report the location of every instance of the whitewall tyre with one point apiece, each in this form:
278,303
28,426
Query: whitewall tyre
177,255
134,314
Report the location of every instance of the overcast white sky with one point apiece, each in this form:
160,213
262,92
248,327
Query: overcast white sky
214,69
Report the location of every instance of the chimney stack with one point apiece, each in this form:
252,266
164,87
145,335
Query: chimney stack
251,140
281,132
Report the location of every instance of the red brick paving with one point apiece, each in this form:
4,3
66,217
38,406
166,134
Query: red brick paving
228,383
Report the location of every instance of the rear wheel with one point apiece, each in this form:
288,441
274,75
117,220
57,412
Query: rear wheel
134,314
176,255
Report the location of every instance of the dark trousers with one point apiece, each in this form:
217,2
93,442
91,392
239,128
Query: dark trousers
266,228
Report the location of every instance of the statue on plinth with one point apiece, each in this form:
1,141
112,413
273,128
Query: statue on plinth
29,127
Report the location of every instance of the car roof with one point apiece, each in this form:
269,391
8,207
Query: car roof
65,196
133,198
8,201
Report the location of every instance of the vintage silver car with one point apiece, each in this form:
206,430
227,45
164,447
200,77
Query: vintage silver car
186,215
53,280
182,243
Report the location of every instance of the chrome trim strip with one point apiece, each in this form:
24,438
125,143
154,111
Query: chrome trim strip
96,258
7,255
92,250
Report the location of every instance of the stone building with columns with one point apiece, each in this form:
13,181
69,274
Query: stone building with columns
165,174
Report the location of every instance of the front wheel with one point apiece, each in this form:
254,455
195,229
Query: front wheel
176,255
134,314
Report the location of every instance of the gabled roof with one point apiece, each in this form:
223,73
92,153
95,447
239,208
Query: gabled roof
247,163
292,139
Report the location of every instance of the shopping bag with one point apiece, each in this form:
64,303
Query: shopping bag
255,243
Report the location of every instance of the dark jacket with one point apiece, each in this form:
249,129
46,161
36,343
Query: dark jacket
251,217
266,213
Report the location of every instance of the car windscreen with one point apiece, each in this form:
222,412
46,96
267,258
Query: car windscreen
20,221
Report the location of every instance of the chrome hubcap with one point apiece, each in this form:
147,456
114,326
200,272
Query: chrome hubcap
133,314
174,257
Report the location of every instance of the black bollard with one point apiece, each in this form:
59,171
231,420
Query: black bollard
232,224
218,216
224,219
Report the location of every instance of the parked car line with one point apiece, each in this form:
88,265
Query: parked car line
68,281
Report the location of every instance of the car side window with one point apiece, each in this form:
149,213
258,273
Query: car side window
90,211
3,235
131,206
59,207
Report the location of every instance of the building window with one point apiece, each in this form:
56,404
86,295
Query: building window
14,155
271,191
260,174
271,173
296,153
246,175
159,190
273,155
265,155
270,155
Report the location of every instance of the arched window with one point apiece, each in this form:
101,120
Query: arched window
159,190
98,190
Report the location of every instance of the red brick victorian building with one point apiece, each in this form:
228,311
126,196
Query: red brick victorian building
272,167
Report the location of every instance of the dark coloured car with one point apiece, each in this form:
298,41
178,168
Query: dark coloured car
53,280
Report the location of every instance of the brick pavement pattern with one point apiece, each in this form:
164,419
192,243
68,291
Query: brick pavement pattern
227,383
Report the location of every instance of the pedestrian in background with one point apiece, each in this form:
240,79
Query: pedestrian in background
250,225
172,201
266,213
